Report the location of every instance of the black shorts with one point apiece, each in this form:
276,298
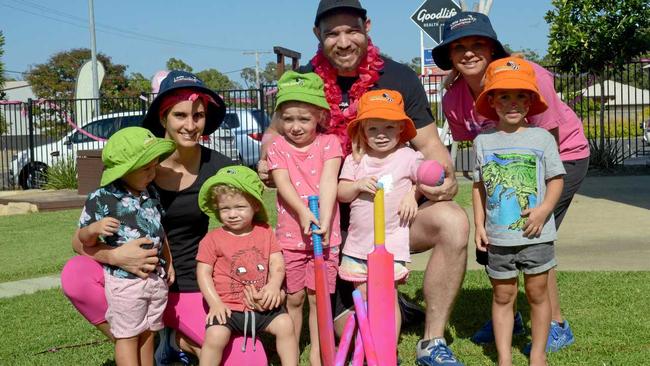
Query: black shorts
237,321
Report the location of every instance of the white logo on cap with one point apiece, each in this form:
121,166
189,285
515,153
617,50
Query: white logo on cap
469,19
186,78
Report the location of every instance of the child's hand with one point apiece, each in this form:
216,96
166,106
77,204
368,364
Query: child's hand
306,218
218,314
271,297
324,232
535,223
408,208
367,185
105,227
171,274
480,237
252,298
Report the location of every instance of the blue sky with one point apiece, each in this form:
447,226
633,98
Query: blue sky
143,34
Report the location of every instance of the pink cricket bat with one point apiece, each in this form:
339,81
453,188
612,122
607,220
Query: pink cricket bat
365,329
346,339
381,290
357,357
323,306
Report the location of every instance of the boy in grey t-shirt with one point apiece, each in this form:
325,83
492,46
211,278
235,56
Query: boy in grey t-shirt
517,183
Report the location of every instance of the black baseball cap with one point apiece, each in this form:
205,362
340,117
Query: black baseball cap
178,79
328,6
465,24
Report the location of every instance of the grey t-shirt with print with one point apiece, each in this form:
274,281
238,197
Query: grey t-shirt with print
513,168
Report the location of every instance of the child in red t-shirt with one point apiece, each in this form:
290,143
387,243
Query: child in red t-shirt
243,252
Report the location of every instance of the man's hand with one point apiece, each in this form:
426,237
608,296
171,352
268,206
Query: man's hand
105,227
444,192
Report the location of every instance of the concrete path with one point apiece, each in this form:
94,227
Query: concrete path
24,287
607,228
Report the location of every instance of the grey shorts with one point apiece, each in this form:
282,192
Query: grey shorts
506,262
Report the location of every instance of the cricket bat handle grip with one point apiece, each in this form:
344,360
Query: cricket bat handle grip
315,238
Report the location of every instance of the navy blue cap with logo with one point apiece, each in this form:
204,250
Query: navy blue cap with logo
465,24
177,79
329,6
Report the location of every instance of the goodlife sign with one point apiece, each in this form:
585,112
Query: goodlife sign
432,14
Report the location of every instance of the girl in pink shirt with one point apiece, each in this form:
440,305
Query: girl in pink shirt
379,155
305,162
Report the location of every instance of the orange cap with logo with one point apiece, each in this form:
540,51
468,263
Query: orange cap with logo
383,104
509,73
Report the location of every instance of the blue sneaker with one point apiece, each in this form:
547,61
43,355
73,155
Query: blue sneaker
435,353
166,354
558,338
485,335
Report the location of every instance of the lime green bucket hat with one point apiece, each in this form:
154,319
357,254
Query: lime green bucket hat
240,177
131,148
307,88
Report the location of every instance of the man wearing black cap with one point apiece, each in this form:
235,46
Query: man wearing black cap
350,65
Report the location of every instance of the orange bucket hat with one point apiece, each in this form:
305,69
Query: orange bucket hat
507,74
383,104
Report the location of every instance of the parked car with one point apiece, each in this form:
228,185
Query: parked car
646,131
31,174
247,126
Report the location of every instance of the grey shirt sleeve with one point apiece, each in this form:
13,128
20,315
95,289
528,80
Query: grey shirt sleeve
552,163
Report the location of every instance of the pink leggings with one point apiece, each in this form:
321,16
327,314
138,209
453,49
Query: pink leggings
82,280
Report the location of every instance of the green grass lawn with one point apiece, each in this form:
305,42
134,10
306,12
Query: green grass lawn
607,311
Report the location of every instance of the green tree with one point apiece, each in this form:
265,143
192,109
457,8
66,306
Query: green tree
592,35
56,78
588,35
138,83
215,80
267,75
178,64
414,64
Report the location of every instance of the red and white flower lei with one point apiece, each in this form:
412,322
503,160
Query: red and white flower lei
368,74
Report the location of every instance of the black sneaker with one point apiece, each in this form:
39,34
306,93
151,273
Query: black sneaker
412,314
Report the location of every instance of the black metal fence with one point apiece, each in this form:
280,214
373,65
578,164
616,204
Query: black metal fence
36,134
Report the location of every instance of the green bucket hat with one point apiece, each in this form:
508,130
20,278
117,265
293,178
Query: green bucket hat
131,148
307,88
241,177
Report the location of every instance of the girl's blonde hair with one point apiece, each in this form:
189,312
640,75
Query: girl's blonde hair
228,190
359,141
321,124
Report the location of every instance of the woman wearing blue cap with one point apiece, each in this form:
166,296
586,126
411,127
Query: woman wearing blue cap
183,111
469,45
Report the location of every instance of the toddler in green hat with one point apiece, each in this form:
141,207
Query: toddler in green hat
124,208
242,255
304,161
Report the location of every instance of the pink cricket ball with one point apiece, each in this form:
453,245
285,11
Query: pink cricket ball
431,173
